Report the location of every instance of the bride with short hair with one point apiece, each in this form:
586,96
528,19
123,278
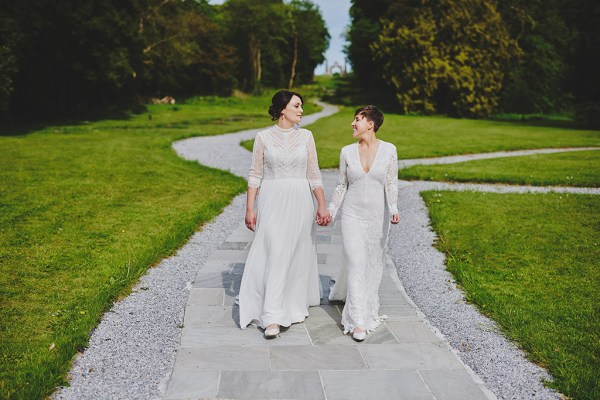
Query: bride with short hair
368,187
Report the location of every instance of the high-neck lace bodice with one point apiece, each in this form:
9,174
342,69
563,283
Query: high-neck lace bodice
284,154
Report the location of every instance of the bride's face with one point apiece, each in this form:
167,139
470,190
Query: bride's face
293,111
360,126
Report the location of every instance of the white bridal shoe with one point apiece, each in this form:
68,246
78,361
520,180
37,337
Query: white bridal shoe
272,332
359,336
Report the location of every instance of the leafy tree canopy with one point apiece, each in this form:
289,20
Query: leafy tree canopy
71,58
445,55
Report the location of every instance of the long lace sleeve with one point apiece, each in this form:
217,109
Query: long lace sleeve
340,190
313,173
256,168
391,183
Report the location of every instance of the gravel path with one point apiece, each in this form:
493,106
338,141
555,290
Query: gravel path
224,151
132,351
477,187
484,156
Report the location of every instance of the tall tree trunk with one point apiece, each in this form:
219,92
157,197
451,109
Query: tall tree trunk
294,61
252,51
258,66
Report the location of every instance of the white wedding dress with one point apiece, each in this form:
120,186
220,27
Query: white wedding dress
281,278
369,200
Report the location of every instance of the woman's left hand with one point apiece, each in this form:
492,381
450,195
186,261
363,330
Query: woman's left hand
395,218
323,216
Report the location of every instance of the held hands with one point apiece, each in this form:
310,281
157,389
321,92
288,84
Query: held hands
395,218
323,216
251,220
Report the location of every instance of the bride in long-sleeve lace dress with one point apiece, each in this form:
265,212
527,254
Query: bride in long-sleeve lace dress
368,188
281,279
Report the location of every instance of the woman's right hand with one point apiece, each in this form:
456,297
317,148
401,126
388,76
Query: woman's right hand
251,220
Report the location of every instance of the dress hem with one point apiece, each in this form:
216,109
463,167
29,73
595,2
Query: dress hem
371,326
256,322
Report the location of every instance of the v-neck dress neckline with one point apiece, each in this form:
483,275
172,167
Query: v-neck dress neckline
374,158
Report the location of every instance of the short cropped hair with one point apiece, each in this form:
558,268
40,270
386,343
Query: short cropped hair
280,101
371,113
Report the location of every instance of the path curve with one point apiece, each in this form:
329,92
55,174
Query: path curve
498,188
484,156
224,152
132,351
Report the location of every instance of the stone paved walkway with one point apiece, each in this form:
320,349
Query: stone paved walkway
402,359
406,358
132,352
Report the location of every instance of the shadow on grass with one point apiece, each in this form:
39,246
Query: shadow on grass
347,91
21,126
542,121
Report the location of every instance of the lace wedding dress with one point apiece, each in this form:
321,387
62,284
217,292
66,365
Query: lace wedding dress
281,279
369,200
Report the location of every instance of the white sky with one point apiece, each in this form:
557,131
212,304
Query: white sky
337,18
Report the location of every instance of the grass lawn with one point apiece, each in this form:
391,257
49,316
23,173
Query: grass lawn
530,262
85,209
418,137
578,168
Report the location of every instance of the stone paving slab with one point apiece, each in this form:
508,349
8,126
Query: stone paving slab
401,359
235,358
451,385
271,385
359,385
315,358
193,384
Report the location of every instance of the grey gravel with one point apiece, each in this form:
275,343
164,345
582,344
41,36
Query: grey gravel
132,351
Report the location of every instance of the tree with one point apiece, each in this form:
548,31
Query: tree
309,40
583,60
535,81
365,27
445,56
71,57
184,50
255,27
9,44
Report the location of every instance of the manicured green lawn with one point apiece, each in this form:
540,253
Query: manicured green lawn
418,137
578,168
530,262
84,210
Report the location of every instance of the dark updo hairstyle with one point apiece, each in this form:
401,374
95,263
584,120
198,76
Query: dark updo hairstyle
371,113
280,101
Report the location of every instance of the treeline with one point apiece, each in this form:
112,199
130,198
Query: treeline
72,58
476,57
